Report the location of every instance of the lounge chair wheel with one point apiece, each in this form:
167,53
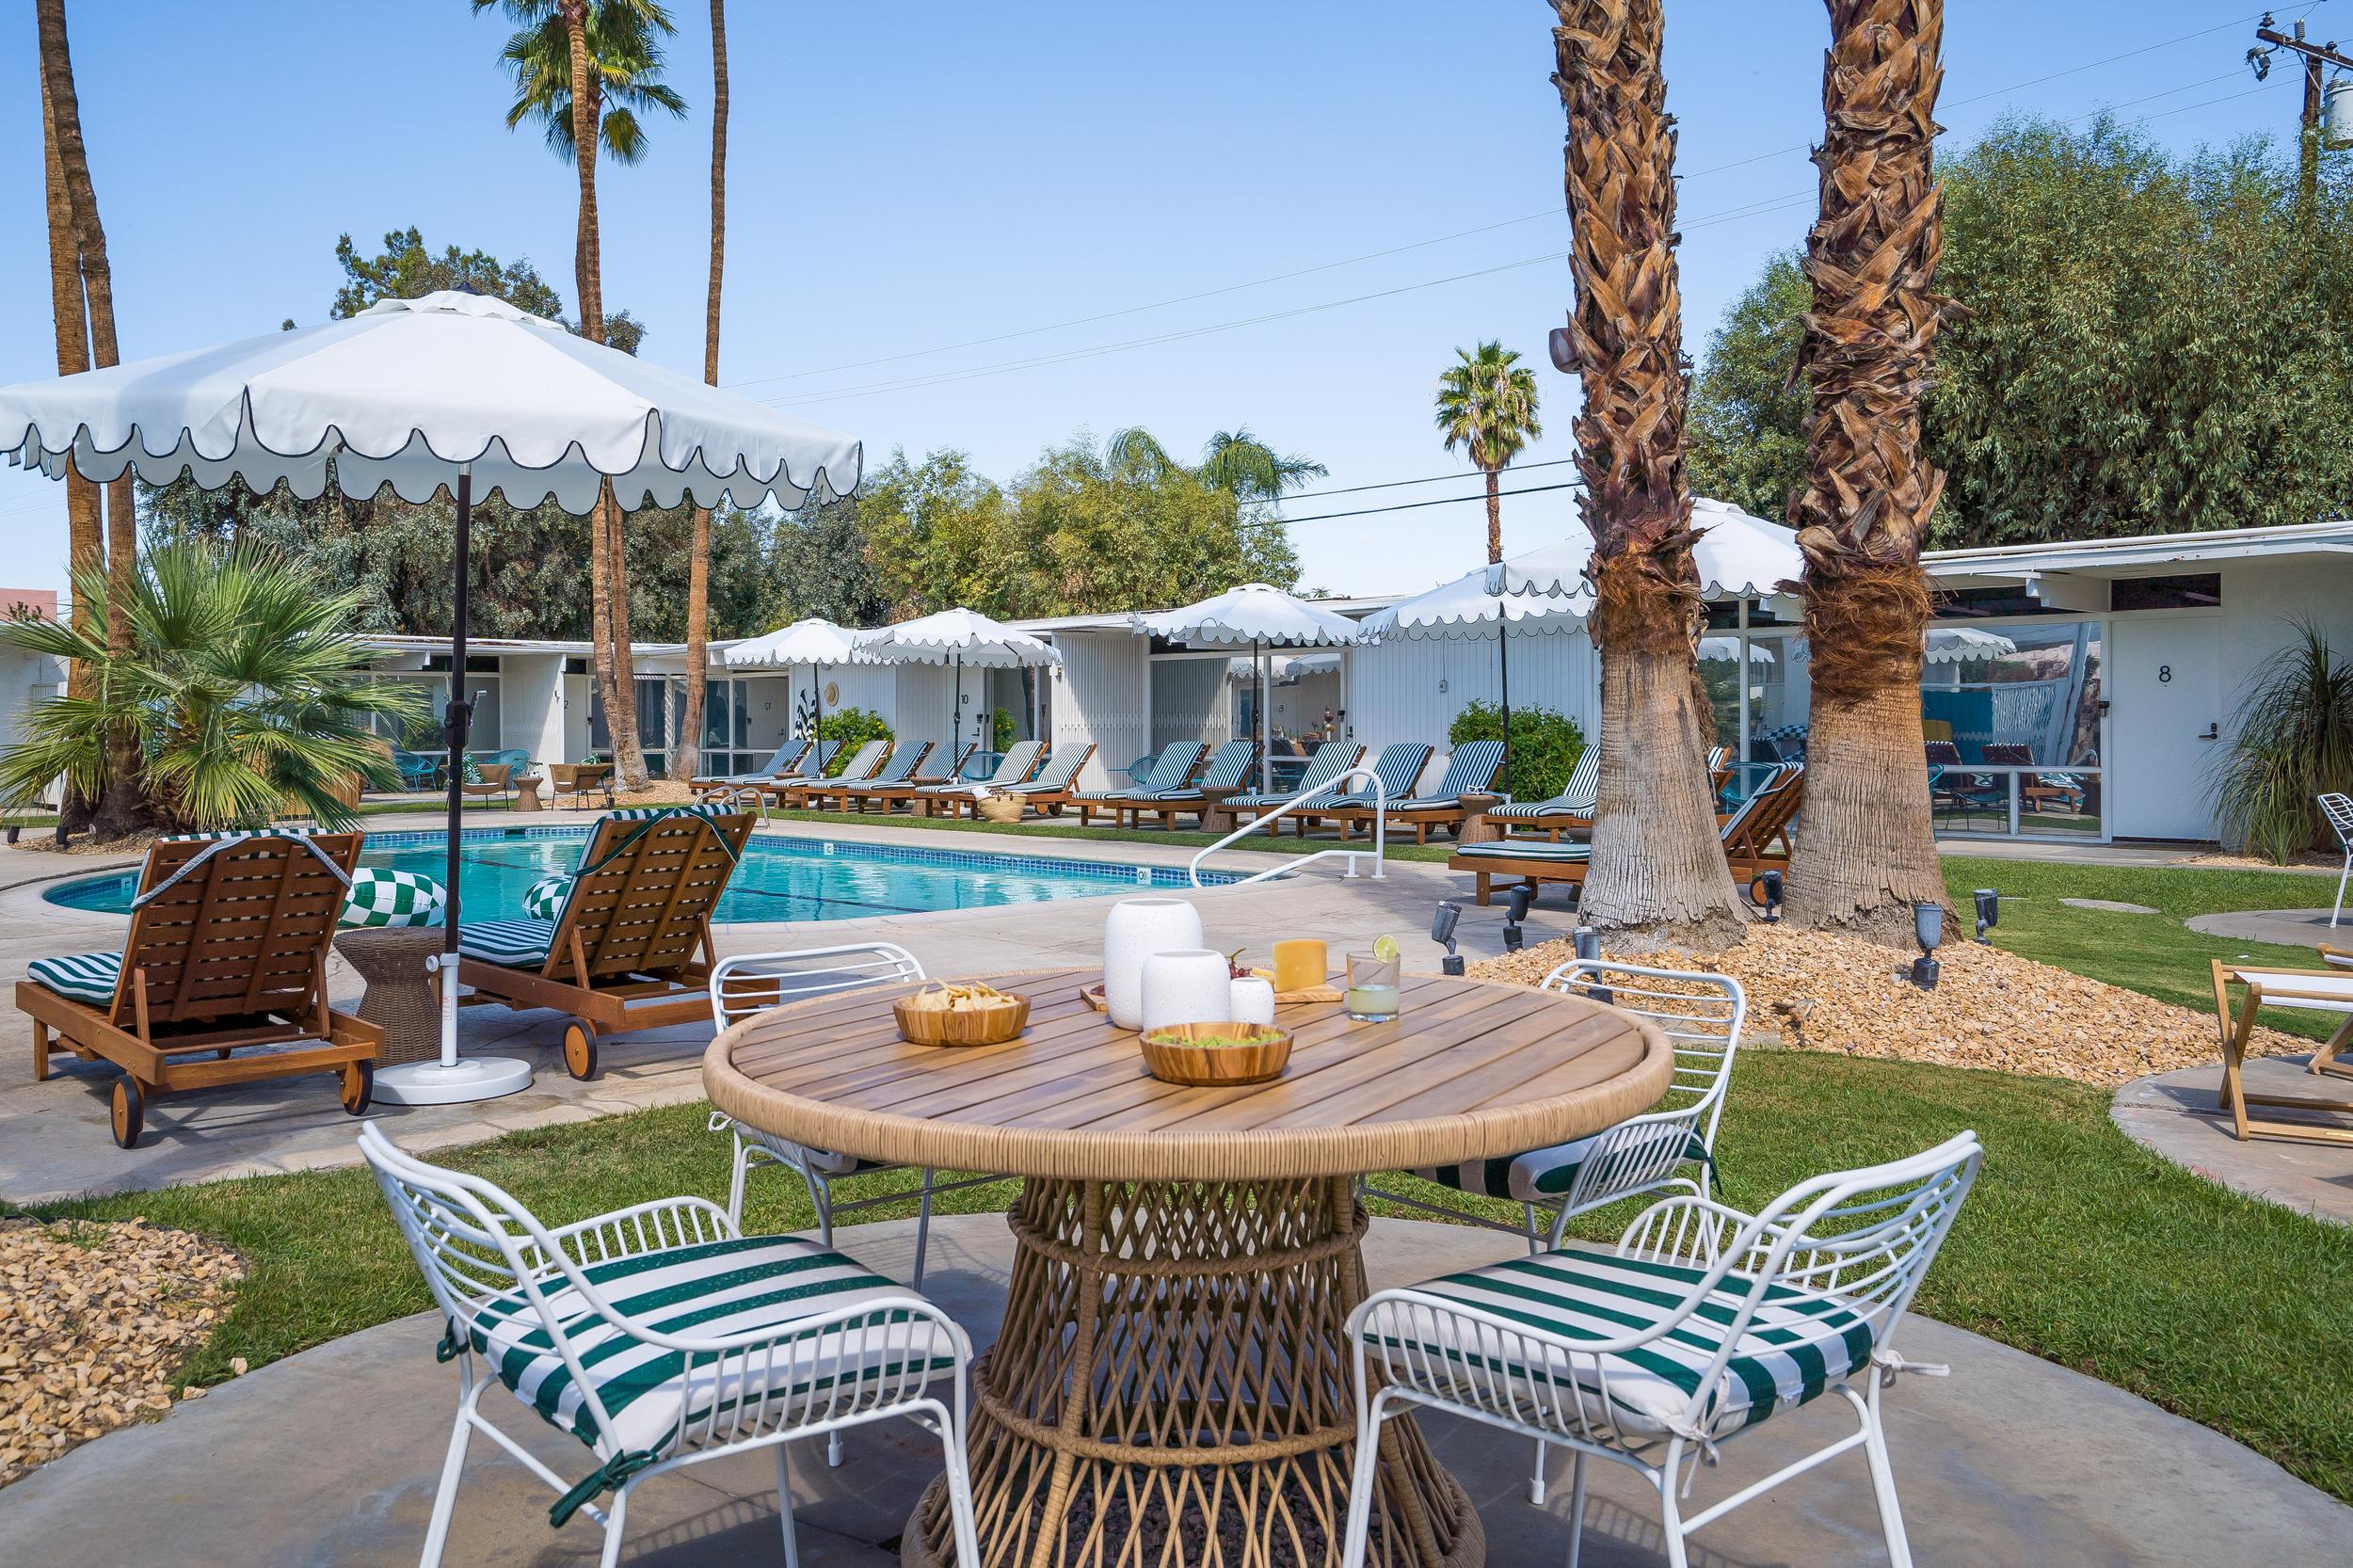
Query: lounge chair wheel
580,1050
358,1086
129,1111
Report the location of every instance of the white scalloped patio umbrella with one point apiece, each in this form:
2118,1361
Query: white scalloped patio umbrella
957,638
1261,616
1739,555
812,641
1464,609
450,389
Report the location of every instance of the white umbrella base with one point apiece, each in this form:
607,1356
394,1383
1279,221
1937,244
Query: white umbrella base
475,1078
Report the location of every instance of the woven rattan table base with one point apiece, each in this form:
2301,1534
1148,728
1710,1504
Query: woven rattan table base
1174,1358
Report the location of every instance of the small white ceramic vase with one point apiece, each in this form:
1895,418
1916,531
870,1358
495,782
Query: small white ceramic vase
1251,1000
1135,930
1188,985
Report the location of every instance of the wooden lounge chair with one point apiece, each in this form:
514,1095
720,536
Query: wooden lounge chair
888,797
221,979
906,761
1228,769
781,764
497,774
953,797
2038,789
1570,811
1755,838
1173,769
864,763
1331,762
1399,768
1471,770
1055,786
811,767
2328,990
630,946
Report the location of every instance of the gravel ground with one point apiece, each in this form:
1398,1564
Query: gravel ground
1990,1008
93,1321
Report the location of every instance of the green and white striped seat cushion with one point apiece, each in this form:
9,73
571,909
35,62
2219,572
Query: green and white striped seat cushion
380,895
1540,1174
513,943
1332,759
643,814
1525,849
1800,1343
1472,767
1397,767
1575,799
544,899
1167,776
717,1288
1225,771
240,833
88,977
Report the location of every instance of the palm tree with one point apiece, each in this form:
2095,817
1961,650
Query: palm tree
124,810
1868,852
1234,461
1656,861
614,47
243,690
86,528
1487,408
686,755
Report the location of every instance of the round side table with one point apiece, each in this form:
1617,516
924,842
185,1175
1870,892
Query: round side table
400,997
1174,1354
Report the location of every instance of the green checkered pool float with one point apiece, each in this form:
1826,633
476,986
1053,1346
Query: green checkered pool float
544,899
382,896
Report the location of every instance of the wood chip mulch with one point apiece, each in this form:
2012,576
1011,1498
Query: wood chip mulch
94,1321
1818,991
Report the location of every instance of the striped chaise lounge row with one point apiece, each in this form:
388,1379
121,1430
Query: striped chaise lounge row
906,757
1471,770
863,764
1172,769
1014,767
781,764
1398,768
1228,769
1056,784
1756,837
1331,762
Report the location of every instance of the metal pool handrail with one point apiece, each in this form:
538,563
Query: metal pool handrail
1380,834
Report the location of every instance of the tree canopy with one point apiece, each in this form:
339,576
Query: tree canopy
2153,343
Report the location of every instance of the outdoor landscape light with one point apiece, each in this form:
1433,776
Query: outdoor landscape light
1767,891
1989,910
1442,930
1514,911
1927,925
1588,943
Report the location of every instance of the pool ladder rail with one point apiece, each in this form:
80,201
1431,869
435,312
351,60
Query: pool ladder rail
1349,853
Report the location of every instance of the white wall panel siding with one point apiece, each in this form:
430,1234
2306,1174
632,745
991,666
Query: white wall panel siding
531,704
1394,687
1103,693
1192,700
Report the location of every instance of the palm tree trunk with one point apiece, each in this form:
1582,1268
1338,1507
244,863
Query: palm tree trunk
85,528
686,757
628,753
1656,862
1495,520
1868,852
126,807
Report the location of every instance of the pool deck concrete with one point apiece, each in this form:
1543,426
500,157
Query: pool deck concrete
54,1137
2176,1114
331,1456
2294,928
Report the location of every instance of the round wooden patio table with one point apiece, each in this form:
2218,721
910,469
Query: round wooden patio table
1173,1352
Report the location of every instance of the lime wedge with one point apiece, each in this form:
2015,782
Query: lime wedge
1385,948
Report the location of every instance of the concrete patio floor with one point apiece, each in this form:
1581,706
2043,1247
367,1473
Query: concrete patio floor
54,1137
331,1457
2176,1114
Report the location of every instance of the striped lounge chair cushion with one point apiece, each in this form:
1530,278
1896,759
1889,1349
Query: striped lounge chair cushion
1540,1174
1522,849
381,896
88,977
643,814
1397,767
513,943
717,1288
1332,760
544,899
1800,1343
240,833
1226,770
1576,797
1471,768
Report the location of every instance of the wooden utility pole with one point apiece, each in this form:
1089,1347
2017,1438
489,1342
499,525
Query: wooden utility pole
2308,141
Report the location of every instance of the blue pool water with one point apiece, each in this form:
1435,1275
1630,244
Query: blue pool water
778,879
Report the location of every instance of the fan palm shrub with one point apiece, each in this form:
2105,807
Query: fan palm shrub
244,685
2295,742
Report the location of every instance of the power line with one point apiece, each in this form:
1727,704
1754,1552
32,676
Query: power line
1442,500
1433,479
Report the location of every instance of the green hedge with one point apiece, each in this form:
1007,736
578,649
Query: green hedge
1544,746
852,727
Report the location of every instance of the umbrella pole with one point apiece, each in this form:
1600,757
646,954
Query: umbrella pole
1503,669
446,1080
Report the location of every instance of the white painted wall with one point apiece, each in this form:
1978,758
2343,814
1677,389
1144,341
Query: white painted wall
531,706
1192,700
1103,693
1405,690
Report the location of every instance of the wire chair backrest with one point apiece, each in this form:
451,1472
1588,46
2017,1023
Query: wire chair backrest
1700,1014
2339,810
753,983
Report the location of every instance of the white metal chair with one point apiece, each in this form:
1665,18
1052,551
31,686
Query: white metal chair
755,982
1696,1329
2339,810
661,1337
1664,1150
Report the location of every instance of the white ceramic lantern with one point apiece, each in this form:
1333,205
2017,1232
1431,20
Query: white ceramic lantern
1250,1000
1136,929
1186,986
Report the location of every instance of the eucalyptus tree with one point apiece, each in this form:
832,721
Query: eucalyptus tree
610,50
1657,860
1868,852
1487,410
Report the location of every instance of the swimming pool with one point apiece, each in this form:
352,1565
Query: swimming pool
778,879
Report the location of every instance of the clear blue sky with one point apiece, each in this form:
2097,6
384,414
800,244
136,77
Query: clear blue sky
909,176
